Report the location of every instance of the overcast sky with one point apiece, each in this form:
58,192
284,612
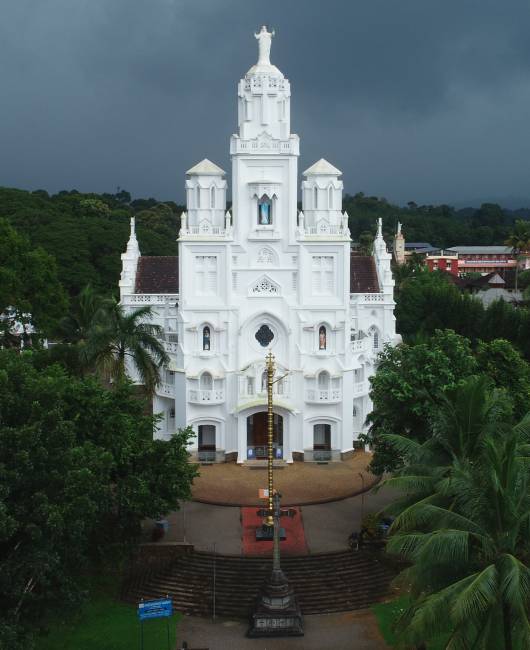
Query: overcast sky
424,100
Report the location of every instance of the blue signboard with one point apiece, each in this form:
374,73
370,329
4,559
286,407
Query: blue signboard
155,609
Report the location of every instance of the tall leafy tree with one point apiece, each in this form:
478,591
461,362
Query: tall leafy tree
408,378
79,471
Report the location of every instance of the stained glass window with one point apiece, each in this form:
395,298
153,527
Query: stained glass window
264,335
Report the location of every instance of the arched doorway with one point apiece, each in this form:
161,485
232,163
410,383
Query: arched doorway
257,436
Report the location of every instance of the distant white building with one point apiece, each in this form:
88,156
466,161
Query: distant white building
265,277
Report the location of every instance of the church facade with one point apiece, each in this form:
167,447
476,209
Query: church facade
263,277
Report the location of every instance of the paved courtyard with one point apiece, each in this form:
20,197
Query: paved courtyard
342,631
326,525
299,483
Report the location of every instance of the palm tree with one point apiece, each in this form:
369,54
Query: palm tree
119,339
464,523
519,240
461,419
469,548
90,309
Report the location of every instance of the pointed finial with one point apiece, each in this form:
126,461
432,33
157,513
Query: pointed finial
399,228
379,228
264,38
133,227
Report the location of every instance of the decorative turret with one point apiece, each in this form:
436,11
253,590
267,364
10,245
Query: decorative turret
129,262
322,198
399,246
205,199
382,260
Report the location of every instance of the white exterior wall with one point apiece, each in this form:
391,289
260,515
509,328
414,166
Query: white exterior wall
265,276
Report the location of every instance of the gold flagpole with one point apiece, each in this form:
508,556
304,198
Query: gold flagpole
270,427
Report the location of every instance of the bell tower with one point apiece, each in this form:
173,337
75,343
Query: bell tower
264,153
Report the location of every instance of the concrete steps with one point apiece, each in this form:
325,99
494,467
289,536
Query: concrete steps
331,582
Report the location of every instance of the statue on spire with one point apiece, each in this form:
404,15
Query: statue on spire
264,38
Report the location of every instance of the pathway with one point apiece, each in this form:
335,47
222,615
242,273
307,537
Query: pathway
334,631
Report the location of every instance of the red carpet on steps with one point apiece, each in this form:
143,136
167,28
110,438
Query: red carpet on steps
295,543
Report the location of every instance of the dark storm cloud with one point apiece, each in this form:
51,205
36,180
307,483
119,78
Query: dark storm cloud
418,99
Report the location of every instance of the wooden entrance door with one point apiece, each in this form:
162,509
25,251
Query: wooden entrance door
259,430
258,437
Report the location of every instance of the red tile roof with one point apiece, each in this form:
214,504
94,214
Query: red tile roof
363,274
157,275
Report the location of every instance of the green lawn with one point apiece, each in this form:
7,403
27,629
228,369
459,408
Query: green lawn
387,613
107,624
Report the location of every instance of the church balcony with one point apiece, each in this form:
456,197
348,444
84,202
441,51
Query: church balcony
149,299
171,348
201,396
280,390
361,388
361,345
205,231
323,396
165,389
324,231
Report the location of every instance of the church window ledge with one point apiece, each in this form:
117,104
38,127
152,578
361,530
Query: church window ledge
267,233
204,396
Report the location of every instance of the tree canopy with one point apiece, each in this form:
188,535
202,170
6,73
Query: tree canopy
79,471
412,378
30,291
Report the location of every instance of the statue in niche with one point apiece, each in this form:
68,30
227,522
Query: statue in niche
264,211
322,338
264,39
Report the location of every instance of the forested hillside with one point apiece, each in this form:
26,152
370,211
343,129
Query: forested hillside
86,233
440,225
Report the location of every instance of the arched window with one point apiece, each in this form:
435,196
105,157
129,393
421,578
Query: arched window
206,381
374,333
264,211
212,196
315,198
322,338
323,380
330,197
206,340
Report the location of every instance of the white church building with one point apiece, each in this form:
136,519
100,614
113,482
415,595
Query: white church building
265,276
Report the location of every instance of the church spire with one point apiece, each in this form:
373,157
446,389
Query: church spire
132,244
129,262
